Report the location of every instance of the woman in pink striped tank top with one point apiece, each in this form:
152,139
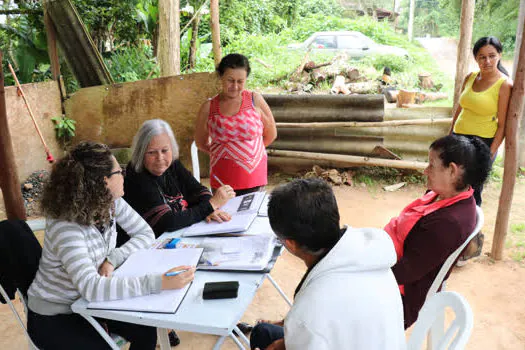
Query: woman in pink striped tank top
235,127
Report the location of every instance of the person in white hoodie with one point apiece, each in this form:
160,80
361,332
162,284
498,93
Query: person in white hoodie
348,297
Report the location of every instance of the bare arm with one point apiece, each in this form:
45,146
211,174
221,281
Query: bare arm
458,109
270,130
503,105
202,139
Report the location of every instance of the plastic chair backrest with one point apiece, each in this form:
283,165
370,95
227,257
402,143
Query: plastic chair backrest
457,334
438,281
19,317
195,161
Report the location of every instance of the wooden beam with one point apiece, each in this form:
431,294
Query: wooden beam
391,123
215,31
14,203
464,45
511,155
52,48
349,160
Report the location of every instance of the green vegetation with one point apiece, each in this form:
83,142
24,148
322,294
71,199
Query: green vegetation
65,129
126,34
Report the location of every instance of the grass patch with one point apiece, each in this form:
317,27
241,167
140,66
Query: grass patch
517,228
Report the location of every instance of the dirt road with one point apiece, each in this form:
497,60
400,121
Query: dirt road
444,51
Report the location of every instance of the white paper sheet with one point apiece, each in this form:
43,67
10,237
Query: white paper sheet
242,217
152,261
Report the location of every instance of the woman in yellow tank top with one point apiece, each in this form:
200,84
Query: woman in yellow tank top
482,111
483,103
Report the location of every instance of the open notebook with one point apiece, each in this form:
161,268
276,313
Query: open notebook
243,210
245,253
152,261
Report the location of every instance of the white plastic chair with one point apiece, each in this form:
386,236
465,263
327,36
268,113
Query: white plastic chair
457,334
438,281
19,317
195,161
437,330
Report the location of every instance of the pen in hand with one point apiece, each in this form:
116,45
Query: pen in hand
174,273
218,180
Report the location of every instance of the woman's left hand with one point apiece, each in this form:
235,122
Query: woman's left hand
106,269
219,216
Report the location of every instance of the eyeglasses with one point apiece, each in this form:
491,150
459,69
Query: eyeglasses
121,172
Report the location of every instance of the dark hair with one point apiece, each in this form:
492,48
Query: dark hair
470,153
494,42
387,71
305,211
233,61
76,190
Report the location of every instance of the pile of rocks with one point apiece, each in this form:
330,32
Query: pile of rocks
32,189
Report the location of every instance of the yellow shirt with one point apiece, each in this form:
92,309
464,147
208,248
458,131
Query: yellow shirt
479,115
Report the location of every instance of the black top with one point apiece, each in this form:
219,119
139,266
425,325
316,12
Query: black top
430,242
168,202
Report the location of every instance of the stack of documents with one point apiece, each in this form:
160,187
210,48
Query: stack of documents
147,262
246,253
243,210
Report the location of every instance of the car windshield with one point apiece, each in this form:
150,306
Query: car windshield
323,42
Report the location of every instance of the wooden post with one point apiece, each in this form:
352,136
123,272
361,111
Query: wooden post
215,31
411,20
511,155
519,36
168,53
465,42
14,203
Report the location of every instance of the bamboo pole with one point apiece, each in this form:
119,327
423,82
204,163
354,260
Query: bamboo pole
465,41
391,123
511,155
14,203
350,160
215,31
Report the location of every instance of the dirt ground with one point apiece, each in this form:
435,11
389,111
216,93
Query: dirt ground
493,289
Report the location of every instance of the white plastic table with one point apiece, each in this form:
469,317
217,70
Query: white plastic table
218,317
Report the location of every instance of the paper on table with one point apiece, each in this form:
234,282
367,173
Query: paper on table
263,210
152,261
243,210
250,253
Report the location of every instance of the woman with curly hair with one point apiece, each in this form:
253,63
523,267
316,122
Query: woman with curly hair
82,204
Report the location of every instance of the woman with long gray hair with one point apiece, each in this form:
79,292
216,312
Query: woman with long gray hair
161,189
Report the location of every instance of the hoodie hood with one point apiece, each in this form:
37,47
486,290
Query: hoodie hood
358,250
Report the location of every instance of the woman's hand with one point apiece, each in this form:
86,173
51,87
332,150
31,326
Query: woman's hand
222,195
106,269
219,216
180,280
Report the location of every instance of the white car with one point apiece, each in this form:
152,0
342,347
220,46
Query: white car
354,44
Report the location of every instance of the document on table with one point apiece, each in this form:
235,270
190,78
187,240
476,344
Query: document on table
243,210
246,253
263,210
152,261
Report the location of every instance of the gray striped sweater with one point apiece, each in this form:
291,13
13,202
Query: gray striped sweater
72,254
